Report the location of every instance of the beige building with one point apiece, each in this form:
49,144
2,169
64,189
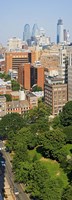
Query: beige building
32,99
55,94
69,54
2,106
14,43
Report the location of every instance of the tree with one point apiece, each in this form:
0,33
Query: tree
66,114
56,122
10,122
41,185
52,142
68,132
67,193
28,136
15,85
36,88
8,97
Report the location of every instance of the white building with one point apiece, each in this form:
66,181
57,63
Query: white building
14,43
63,67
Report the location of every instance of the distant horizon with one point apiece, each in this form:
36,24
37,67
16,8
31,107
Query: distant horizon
15,14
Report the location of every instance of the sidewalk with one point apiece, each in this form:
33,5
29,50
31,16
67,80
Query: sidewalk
8,193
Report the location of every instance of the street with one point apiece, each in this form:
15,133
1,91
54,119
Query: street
10,177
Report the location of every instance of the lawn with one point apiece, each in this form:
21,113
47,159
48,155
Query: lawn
33,153
55,170
52,166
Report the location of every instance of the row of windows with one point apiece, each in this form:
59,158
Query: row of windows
18,108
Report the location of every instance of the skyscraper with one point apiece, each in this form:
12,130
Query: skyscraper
65,35
60,31
35,30
26,33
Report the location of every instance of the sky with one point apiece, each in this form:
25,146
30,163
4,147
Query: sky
14,14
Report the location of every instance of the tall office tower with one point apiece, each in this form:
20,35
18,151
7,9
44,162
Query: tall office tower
65,35
35,30
60,31
26,33
68,37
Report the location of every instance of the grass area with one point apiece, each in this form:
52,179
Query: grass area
33,153
54,170
52,166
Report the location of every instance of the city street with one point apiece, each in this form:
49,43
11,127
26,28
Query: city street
10,177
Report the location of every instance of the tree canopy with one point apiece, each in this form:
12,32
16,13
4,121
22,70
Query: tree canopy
66,114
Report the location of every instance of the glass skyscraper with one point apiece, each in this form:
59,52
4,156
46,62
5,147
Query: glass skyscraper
35,30
60,38
26,33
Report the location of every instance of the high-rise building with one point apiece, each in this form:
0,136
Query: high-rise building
35,30
29,75
63,65
60,31
14,43
68,37
69,54
26,33
24,75
55,93
65,35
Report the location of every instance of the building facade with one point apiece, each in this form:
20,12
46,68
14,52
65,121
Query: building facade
60,38
26,33
16,58
29,75
14,43
55,93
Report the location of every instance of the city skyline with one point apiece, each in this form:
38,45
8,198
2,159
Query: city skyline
15,14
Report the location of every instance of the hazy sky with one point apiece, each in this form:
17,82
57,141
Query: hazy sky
14,14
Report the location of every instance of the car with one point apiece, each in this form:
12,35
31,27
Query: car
16,192
3,163
1,196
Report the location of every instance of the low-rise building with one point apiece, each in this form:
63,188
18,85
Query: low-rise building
2,106
32,99
17,107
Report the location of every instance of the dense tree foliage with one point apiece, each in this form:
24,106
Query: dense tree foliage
66,114
52,142
36,88
8,97
68,132
51,139
5,76
67,193
15,85
10,122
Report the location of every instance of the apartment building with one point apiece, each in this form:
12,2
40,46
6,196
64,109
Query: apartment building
17,107
28,75
32,99
24,75
69,54
55,93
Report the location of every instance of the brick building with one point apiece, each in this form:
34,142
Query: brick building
28,75
24,75
55,93
14,59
